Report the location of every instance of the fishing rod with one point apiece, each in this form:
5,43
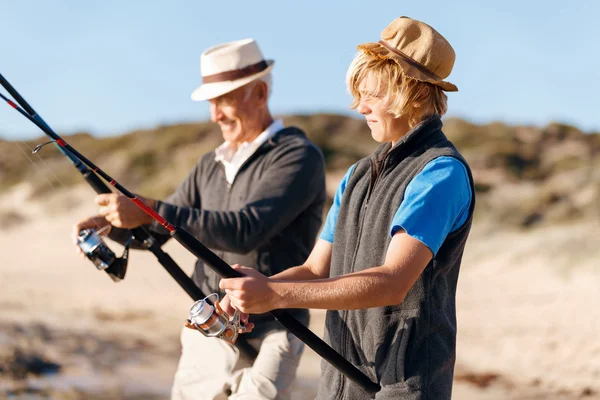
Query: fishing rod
218,265
116,270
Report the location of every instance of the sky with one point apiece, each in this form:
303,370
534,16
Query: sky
107,67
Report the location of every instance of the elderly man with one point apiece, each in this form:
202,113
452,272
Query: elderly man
256,200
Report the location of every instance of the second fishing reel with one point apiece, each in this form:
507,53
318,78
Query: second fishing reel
94,248
211,320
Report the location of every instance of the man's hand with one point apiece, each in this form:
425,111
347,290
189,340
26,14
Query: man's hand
254,293
121,212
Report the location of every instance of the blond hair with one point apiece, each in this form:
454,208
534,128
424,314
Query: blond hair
415,99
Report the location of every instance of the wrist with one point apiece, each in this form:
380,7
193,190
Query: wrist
280,299
149,220
151,202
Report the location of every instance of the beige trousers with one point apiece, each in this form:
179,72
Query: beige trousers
210,369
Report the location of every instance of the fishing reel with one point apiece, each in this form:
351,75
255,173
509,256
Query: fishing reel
212,321
94,248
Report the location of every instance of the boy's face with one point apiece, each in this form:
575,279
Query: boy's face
374,105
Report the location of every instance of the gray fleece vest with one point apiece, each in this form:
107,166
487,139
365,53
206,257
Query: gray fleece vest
408,348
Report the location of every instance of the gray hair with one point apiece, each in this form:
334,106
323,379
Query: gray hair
268,79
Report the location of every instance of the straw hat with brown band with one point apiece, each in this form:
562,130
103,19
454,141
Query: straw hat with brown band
228,66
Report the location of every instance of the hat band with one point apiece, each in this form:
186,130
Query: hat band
410,61
236,74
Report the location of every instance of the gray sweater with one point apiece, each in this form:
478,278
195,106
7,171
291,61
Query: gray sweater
268,218
408,348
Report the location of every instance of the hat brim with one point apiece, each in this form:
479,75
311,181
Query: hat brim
380,51
209,91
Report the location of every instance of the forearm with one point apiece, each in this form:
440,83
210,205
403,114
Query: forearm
299,273
291,183
234,231
239,231
374,287
385,285
315,267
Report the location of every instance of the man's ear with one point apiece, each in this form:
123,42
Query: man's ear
261,91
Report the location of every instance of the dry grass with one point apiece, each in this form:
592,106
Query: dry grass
524,176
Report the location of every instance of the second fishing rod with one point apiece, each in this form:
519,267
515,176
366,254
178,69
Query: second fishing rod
219,266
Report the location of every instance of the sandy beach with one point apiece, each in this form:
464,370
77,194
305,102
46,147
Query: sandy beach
527,311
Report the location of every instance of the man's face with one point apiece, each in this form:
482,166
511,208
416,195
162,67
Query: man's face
374,106
236,113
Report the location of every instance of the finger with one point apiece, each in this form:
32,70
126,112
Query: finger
104,211
232,303
229,283
247,271
79,226
248,328
235,294
103,199
106,230
83,224
189,325
109,217
237,304
243,270
240,268
226,306
114,219
117,222
79,252
75,234
230,296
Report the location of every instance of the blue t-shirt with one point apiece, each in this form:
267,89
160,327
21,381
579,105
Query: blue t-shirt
436,202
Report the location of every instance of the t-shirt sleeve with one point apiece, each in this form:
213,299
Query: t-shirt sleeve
436,202
328,230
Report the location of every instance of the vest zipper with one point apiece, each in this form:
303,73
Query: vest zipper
375,174
376,170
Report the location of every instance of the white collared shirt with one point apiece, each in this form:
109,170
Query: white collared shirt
233,159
